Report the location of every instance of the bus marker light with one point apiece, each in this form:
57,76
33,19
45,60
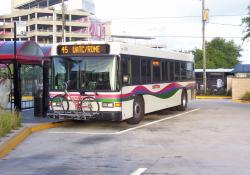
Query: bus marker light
118,104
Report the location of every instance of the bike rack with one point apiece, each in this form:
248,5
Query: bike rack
74,115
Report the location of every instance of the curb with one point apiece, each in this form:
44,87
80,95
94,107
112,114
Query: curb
10,144
241,101
213,97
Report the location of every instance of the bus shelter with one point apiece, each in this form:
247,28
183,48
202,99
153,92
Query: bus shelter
46,67
27,63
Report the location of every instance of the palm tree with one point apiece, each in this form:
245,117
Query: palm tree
246,21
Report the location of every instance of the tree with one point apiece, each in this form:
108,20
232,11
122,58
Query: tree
246,21
219,54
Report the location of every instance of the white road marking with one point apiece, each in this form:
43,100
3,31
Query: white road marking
126,130
139,171
83,133
157,121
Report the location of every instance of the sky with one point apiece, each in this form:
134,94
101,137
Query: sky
171,21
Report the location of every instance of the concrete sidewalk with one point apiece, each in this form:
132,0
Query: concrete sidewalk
29,119
30,124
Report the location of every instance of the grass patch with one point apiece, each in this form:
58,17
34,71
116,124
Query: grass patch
8,121
246,96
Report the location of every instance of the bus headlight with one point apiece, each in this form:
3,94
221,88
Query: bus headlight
107,104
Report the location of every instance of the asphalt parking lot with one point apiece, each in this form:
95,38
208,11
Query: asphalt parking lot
212,137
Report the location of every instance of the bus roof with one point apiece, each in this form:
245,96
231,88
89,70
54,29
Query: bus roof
117,48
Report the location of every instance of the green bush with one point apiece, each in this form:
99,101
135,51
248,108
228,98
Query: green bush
8,122
246,96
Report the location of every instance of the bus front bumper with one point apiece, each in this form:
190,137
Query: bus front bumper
114,116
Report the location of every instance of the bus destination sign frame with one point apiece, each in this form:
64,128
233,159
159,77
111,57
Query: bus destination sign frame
83,49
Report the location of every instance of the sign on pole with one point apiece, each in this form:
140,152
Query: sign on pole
21,28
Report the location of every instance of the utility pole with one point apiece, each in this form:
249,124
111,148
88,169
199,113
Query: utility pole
204,19
16,81
63,21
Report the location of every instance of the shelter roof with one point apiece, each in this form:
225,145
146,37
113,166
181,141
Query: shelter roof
27,52
215,70
242,68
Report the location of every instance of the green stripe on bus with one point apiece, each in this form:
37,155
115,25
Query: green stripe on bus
109,100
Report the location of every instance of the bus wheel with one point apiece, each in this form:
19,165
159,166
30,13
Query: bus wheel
138,111
184,101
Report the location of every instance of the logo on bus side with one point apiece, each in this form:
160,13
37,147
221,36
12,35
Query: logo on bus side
156,86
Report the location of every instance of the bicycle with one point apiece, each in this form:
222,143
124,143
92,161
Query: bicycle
85,105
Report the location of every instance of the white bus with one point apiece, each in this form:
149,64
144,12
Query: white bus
126,81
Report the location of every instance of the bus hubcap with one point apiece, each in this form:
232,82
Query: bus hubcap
184,101
137,109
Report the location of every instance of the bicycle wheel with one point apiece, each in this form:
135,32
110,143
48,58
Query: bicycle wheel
59,104
89,104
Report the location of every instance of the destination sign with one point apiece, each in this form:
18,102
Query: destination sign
89,49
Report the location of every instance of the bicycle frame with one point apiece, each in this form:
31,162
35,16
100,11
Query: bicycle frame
77,103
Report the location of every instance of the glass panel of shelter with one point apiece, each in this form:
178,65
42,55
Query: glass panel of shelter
31,83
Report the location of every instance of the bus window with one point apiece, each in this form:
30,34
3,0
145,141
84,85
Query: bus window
183,71
149,79
135,63
165,69
171,71
156,71
126,68
143,70
189,67
73,75
177,71
60,67
98,74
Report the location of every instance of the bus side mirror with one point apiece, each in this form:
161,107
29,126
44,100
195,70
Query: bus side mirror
125,79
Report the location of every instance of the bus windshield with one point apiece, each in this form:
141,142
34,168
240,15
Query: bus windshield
93,73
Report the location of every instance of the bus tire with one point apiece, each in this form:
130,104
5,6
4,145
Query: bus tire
138,111
184,101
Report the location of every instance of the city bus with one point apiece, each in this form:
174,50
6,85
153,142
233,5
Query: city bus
125,81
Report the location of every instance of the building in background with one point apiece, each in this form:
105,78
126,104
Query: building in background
241,81
218,80
41,21
242,71
85,5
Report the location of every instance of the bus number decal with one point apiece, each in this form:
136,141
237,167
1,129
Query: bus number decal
65,50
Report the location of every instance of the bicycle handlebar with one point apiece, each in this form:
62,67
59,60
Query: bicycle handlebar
66,85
